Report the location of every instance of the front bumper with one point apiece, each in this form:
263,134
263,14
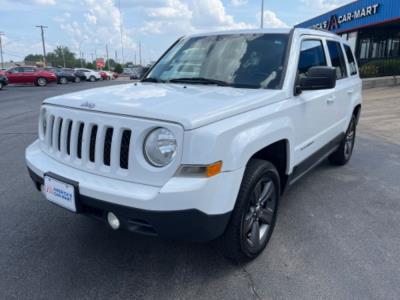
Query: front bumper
195,209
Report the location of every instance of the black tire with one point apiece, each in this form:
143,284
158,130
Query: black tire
1,86
92,78
63,80
77,80
246,235
41,81
343,154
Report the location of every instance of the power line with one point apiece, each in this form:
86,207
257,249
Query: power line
44,47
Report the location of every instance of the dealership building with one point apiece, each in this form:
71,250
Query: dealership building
372,28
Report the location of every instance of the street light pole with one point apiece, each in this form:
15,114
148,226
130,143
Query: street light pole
80,51
108,61
262,14
63,54
43,44
1,51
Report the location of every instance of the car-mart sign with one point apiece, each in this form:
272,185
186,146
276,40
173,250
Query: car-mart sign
336,20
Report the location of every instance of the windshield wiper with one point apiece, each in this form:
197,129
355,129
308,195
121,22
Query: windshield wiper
199,80
151,79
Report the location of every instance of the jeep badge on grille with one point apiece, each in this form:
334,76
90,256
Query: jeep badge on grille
88,105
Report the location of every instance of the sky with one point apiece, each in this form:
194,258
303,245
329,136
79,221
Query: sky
154,24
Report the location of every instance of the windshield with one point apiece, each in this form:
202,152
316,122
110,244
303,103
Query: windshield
245,60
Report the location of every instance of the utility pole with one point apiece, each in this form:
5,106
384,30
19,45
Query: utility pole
1,51
91,54
44,47
108,61
262,14
120,29
116,56
140,53
63,54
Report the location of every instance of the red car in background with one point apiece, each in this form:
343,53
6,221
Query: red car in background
103,75
24,75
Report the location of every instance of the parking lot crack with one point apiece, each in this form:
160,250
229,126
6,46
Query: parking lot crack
251,283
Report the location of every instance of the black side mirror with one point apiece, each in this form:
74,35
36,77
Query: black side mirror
316,78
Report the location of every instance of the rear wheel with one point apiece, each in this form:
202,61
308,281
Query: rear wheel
77,79
41,81
343,154
254,216
63,80
92,78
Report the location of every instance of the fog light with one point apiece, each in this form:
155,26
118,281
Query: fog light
113,221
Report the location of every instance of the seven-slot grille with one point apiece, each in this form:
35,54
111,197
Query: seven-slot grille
101,144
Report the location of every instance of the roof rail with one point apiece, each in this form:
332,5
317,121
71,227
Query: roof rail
324,30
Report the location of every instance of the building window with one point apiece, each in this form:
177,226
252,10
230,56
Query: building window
393,49
337,59
364,48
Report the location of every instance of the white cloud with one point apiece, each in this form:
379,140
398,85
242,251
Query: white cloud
322,6
239,2
39,2
271,20
45,2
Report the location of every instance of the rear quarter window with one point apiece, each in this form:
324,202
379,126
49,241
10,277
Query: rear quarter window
351,60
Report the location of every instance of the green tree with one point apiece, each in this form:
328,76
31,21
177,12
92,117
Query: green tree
33,59
118,68
91,65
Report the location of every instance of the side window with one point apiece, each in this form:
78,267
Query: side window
311,55
28,70
337,58
351,60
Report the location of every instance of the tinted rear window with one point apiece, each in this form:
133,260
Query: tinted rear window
351,60
337,58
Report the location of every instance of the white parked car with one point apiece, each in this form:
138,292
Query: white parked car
204,147
91,75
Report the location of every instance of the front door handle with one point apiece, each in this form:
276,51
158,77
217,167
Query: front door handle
350,91
330,100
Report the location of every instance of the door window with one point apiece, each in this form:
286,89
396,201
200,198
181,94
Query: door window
351,60
311,55
337,59
28,70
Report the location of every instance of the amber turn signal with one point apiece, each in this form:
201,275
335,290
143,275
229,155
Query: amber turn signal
214,169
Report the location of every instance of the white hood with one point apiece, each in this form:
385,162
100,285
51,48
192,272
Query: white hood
192,106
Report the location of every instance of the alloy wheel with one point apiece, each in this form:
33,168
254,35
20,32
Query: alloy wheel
349,140
41,82
260,215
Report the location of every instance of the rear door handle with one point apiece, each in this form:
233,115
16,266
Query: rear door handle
350,91
330,100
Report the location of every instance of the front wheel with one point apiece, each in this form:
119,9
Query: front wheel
63,80
343,154
254,216
41,81
77,79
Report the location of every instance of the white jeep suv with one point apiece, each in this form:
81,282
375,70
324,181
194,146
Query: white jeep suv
205,145
90,75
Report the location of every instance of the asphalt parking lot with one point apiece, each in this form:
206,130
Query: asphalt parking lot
337,236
